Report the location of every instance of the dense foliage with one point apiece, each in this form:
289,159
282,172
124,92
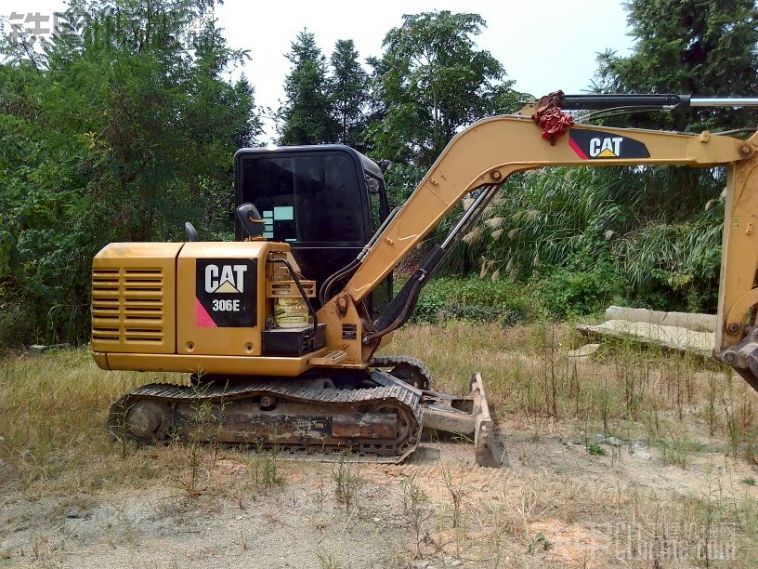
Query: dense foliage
119,128
592,235
430,81
699,47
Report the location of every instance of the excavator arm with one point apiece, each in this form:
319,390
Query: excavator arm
484,155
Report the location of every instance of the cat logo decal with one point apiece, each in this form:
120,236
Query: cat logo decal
225,294
599,145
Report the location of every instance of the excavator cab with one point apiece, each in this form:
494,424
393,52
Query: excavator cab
326,201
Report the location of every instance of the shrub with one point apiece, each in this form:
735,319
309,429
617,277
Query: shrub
566,292
428,307
481,300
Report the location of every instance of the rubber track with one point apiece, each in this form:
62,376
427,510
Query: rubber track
399,394
392,361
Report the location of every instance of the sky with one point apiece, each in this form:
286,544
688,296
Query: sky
544,45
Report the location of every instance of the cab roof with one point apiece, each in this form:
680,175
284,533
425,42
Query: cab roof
366,163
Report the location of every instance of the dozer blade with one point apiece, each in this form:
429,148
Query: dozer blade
468,416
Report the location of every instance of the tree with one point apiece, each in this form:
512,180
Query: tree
248,135
120,128
348,94
305,116
430,81
697,47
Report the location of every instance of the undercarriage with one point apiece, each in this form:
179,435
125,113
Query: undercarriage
358,416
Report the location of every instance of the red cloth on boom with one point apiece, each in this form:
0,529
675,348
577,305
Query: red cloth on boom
550,118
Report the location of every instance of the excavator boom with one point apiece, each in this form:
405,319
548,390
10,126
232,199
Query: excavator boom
492,149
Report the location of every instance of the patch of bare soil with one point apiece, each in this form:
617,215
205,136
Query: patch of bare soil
294,525
556,505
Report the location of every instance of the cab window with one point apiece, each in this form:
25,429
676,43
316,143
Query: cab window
305,199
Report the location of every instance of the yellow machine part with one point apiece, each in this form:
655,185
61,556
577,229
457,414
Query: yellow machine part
133,305
147,312
192,336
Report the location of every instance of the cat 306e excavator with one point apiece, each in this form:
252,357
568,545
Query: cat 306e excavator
280,329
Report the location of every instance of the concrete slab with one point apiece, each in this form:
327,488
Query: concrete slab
584,351
669,337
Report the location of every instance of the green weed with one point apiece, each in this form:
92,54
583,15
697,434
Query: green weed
347,483
595,449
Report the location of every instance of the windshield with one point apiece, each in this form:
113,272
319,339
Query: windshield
305,198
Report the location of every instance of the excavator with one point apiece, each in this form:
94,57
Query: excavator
279,329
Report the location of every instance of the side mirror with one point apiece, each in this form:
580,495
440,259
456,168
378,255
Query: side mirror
250,219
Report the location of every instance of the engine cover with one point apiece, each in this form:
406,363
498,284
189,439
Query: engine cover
181,298
221,298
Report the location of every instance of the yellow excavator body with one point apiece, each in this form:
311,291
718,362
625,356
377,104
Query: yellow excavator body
197,307
316,387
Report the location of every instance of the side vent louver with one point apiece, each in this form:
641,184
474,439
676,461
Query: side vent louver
128,306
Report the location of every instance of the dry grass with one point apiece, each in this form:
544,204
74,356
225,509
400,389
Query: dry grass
53,411
546,511
676,405
625,390
347,484
52,418
53,408
552,520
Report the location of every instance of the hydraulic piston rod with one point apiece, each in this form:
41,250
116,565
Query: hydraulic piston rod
723,101
670,100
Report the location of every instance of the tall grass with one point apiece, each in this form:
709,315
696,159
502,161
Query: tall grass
547,218
650,235
683,259
53,411
625,390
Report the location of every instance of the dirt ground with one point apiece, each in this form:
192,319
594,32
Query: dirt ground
536,512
